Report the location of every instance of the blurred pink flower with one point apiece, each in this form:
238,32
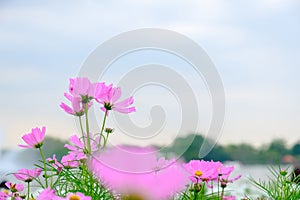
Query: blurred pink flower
27,175
202,170
14,187
3,196
109,97
47,193
138,172
35,138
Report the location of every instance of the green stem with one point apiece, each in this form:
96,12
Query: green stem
87,130
102,129
82,132
105,140
45,168
28,191
222,193
218,186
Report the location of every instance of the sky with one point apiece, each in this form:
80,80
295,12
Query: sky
254,45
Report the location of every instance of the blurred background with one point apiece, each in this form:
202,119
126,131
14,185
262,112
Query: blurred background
254,45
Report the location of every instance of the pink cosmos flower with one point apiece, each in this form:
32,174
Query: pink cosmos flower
73,196
71,160
137,172
228,198
35,138
100,91
81,86
77,195
81,93
13,193
53,161
223,170
109,97
48,194
77,146
14,187
77,108
202,170
28,175
224,173
224,179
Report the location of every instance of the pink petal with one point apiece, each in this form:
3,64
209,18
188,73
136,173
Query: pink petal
125,103
100,91
71,85
68,96
67,109
125,110
76,104
116,94
25,146
75,140
81,86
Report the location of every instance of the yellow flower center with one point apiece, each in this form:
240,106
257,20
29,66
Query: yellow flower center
132,197
198,173
74,197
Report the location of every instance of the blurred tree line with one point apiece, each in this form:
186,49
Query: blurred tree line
271,153
188,148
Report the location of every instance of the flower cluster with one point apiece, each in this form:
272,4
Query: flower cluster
90,170
81,93
209,172
13,191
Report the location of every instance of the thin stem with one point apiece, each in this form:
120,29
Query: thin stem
45,168
218,186
28,191
105,140
87,130
212,189
222,193
82,132
102,129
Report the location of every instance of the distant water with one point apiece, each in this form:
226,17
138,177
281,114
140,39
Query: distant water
243,186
